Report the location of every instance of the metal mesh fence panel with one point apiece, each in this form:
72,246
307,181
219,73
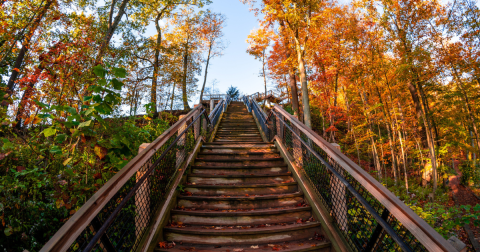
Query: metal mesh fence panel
134,205
355,211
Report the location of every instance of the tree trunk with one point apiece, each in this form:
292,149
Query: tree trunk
156,63
26,45
265,82
184,83
291,74
206,71
307,117
376,160
468,107
173,97
110,31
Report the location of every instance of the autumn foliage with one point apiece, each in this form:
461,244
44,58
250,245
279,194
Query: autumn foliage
75,75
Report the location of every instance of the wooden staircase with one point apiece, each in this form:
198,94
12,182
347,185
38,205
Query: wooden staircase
240,196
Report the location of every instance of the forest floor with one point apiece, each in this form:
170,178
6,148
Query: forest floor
464,196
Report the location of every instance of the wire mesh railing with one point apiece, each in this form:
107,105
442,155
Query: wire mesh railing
363,221
259,115
123,221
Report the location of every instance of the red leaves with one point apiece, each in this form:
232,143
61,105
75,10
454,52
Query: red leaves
166,245
20,168
97,176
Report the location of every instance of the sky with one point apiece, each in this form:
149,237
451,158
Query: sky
236,67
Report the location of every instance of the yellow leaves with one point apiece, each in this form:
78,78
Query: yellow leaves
59,203
100,151
37,120
32,119
67,161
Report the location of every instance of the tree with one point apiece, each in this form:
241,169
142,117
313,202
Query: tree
211,33
233,93
259,41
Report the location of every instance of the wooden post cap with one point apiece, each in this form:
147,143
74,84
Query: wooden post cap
336,146
457,244
143,146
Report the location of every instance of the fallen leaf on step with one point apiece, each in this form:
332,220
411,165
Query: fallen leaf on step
299,221
254,247
238,250
162,244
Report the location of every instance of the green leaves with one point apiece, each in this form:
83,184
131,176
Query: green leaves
55,150
49,131
85,124
8,231
117,85
119,72
99,71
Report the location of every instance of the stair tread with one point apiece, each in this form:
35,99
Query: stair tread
198,230
249,142
242,213
239,166
238,159
236,185
237,198
241,175
234,154
297,246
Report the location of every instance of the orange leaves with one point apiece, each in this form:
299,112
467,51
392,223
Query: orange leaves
258,41
100,151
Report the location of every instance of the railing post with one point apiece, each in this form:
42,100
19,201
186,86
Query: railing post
297,146
339,200
280,126
212,104
181,143
142,197
196,126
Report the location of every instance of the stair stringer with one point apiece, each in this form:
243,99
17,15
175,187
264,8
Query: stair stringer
339,243
264,137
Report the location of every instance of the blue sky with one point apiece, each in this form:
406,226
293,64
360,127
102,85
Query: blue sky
235,67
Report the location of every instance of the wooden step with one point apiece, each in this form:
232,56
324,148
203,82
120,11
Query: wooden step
256,155
242,144
238,163
240,179
239,170
241,190
215,150
305,245
241,218
241,202
239,236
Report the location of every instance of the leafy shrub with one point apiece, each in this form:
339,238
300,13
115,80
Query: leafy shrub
49,171
466,168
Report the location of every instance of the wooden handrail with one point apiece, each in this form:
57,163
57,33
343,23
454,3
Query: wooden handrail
67,234
425,234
